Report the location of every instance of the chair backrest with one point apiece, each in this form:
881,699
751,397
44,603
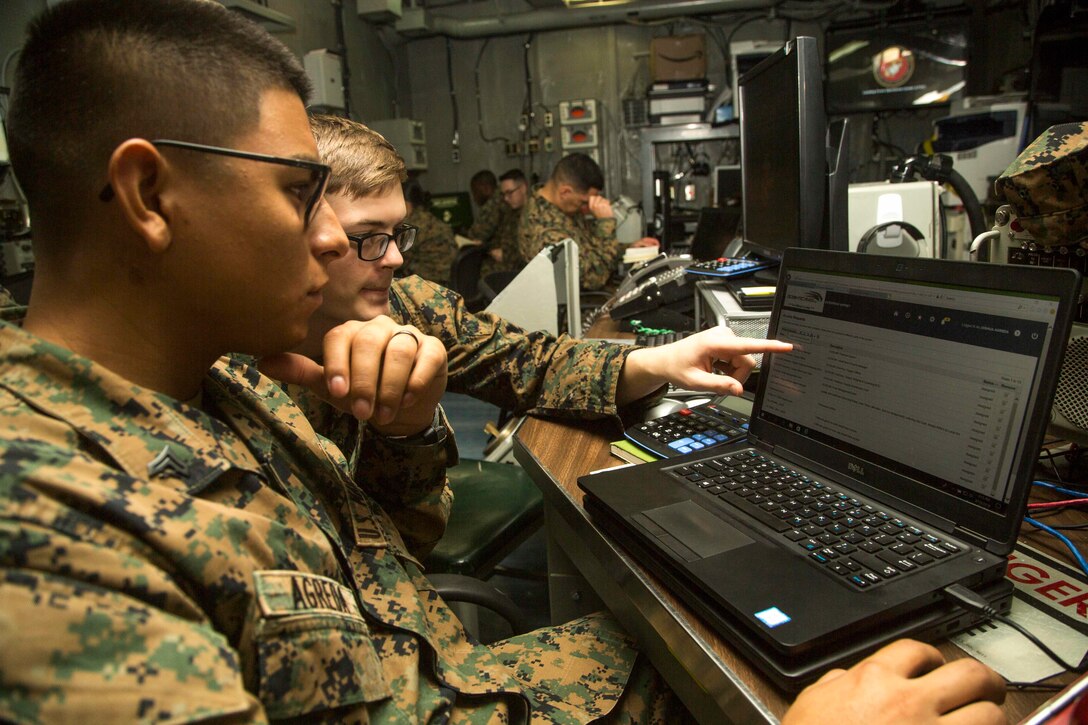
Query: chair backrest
465,271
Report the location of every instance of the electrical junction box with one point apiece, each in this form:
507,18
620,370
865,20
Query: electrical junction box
581,111
413,23
324,71
578,137
378,11
408,137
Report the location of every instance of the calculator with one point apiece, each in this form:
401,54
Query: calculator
690,429
729,266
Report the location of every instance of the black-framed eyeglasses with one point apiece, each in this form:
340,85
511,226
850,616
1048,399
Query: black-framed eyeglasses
319,173
373,245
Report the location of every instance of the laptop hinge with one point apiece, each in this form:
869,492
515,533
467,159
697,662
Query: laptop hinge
980,541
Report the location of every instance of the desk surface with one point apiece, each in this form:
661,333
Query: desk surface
712,679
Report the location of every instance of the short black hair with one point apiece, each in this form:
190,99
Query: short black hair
94,73
580,171
483,179
516,176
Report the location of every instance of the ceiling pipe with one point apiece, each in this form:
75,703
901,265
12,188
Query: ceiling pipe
536,21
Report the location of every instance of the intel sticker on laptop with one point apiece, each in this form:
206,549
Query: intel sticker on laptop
772,617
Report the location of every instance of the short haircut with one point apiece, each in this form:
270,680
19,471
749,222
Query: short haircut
362,161
516,176
580,171
94,73
483,179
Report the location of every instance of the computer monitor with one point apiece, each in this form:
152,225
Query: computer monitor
716,228
454,208
783,142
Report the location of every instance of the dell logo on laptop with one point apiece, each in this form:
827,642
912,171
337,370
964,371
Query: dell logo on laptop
856,469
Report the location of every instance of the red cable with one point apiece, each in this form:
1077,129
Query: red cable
1058,504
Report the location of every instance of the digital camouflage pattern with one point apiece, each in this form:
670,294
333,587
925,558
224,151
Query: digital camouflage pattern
161,561
489,359
543,223
1047,185
432,254
488,219
506,239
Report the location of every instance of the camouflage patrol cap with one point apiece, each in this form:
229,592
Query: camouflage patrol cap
1047,185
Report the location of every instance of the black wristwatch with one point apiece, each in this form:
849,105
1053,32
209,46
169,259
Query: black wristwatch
431,435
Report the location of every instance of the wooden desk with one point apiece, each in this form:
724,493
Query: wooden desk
715,682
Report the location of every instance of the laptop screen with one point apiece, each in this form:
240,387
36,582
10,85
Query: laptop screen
931,380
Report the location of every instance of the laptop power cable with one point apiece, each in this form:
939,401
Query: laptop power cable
972,602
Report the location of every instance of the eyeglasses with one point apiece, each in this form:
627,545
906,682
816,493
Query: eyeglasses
312,192
511,192
373,245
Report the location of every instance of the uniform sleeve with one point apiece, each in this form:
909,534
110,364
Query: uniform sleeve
502,364
598,258
92,628
409,481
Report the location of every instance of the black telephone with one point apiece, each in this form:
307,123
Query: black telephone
660,281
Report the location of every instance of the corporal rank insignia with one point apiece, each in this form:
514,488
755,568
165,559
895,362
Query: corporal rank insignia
167,464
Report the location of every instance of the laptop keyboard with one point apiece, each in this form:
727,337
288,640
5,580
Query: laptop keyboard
846,537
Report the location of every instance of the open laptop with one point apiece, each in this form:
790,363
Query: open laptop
889,456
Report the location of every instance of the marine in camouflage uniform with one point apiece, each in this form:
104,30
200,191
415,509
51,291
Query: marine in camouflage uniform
191,561
1047,185
543,223
431,256
489,359
492,212
506,239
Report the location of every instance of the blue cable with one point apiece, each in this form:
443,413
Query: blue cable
1063,538
1059,489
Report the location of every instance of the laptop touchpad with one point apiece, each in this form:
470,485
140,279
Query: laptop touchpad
697,529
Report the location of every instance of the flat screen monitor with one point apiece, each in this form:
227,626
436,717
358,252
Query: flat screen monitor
897,66
783,132
454,208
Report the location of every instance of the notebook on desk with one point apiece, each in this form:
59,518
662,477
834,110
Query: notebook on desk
889,456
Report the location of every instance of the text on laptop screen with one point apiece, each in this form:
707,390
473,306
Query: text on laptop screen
931,381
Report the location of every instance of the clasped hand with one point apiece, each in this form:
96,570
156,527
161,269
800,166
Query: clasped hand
389,374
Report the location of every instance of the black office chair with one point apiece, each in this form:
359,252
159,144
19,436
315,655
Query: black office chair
465,275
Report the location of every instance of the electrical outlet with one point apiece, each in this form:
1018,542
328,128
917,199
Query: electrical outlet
455,155
534,145
549,144
549,119
511,148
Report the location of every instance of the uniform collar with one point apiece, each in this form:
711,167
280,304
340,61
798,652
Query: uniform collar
149,435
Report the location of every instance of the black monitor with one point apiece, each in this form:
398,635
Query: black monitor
896,66
454,208
783,138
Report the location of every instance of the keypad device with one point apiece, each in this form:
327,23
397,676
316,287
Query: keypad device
728,266
847,537
689,430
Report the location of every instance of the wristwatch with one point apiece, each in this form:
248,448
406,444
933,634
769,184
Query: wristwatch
431,435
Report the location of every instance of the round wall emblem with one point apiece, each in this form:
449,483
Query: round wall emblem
893,66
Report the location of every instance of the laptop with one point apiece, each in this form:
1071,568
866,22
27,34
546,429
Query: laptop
889,456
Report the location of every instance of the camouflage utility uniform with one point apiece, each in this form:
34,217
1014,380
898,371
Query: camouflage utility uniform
491,360
543,223
166,561
432,254
497,362
1047,186
488,220
506,239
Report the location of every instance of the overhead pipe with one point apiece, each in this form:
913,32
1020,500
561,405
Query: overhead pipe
535,21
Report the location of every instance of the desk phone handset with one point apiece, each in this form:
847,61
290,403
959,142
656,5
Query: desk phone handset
656,283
